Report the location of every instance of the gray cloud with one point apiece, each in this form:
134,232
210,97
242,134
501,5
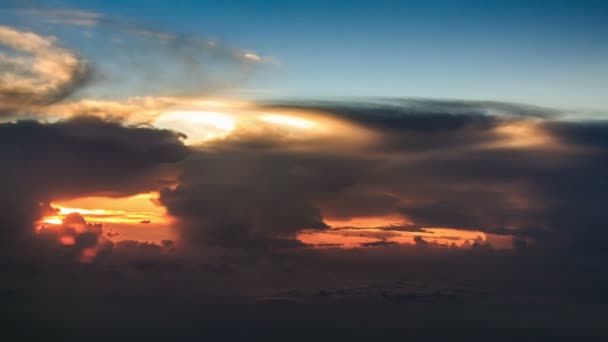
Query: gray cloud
236,197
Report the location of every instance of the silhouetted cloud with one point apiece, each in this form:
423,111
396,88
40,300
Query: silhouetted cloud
236,197
75,239
82,156
379,243
420,241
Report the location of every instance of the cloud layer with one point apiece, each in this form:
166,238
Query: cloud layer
497,168
463,166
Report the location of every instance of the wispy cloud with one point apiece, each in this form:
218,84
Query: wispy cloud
62,16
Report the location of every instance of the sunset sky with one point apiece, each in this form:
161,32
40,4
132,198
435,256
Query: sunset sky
249,138
229,77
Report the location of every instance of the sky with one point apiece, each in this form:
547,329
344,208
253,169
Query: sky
370,170
549,53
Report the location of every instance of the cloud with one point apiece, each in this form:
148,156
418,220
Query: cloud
420,241
468,167
138,109
158,60
235,198
379,243
63,16
501,169
75,239
253,188
36,71
77,157
356,200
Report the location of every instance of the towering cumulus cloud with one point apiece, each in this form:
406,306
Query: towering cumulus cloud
513,171
240,196
81,156
36,71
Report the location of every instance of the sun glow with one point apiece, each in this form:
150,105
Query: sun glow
215,119
204,121
288,121
126,210
137,217
198,125
521,135
55,220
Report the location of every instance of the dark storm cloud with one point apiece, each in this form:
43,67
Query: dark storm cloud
356,200
237,197
397,117
588,134
495,169
78,157
533,192
556,187
420,106
431,126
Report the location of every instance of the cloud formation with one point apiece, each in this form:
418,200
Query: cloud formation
78,157
532,177
238,197
284,167
290,216
36,71
159,61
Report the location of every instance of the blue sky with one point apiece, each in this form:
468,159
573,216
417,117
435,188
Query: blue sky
552,53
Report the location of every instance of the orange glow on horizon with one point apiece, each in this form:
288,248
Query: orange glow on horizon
137,217
141,218
356,231
352,232
370,221
133,209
